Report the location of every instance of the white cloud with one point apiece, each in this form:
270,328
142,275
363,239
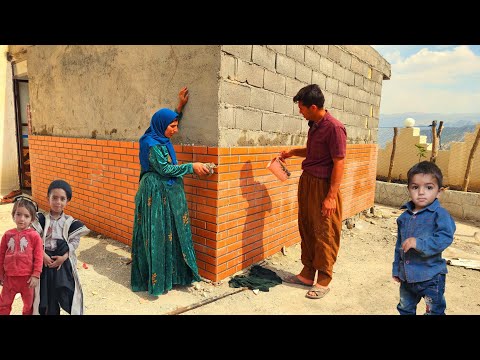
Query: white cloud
413,98
432,81
437,67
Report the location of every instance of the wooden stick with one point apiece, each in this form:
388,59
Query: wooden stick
470,160
433,156
439,134
203,302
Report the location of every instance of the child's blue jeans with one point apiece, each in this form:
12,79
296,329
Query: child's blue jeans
432,290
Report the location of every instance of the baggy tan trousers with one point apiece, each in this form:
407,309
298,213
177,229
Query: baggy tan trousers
320,235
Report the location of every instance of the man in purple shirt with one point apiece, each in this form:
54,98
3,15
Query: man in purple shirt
319,198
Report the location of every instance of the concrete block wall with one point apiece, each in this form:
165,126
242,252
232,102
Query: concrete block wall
452,162
258,82
241,94
460,204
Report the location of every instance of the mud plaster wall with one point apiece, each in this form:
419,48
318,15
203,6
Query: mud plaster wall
258,83
111,92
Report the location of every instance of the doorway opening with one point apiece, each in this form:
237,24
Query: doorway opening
23,127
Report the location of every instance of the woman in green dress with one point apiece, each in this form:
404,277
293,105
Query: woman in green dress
162,247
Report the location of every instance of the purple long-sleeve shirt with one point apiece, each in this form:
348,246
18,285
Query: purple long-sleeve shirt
327,139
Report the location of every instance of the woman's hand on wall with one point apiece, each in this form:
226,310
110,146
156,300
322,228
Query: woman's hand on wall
182,99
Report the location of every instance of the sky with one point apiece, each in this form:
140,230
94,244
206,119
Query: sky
431,79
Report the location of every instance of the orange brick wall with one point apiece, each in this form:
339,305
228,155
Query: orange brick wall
239,215
103,175
256,213
358,184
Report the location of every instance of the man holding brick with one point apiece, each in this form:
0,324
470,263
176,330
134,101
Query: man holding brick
319,198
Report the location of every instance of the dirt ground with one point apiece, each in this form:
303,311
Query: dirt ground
361,285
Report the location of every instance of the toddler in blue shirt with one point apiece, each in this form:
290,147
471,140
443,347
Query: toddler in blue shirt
425,229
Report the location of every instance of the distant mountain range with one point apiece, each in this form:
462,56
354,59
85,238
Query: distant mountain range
449,120
454,125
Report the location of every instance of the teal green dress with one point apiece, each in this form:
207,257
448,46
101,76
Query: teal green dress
162,247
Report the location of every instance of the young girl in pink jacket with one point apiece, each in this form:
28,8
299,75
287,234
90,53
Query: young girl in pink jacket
21,258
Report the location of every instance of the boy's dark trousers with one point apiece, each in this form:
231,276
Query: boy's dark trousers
57,285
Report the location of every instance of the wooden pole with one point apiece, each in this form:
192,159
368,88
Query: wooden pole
439,135
433,156
470,160
392,156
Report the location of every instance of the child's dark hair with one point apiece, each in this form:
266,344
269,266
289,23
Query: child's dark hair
426,167
310,95
60,184
28,204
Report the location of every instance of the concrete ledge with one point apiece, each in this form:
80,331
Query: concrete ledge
460,204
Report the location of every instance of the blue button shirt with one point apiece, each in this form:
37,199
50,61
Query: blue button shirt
433,228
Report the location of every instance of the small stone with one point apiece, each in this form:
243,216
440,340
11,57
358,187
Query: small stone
197,286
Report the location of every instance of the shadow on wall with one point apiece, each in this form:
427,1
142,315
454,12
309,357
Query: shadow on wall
259,203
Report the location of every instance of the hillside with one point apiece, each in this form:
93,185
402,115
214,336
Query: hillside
449,120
